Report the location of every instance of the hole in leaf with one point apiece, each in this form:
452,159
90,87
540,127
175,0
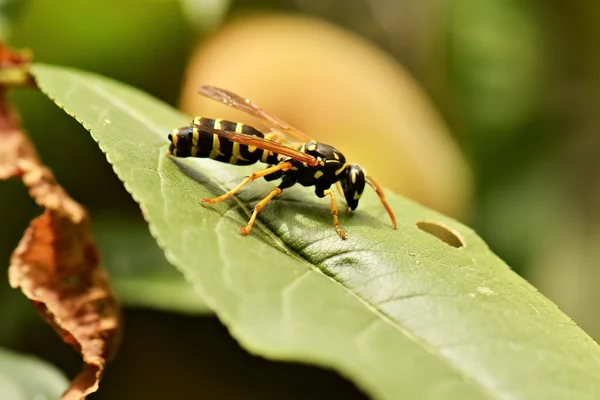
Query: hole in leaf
442,232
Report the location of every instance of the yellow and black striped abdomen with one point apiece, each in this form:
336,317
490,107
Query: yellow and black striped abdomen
192,141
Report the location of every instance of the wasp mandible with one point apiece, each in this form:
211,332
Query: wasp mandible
302,160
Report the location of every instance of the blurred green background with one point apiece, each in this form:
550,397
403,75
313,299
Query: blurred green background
516,82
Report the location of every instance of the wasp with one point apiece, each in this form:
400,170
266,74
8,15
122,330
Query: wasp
301,160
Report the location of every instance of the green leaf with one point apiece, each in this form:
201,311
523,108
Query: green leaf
401,313
25,378
138,269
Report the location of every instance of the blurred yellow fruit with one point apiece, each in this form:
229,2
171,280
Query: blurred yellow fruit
340,90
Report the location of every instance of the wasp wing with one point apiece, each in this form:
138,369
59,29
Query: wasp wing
261,143
248,106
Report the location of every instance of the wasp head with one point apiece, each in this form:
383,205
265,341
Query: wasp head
353,184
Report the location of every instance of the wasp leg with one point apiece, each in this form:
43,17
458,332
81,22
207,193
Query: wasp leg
275,136
334,212
379,192
246,230
338,186
274,176
284,166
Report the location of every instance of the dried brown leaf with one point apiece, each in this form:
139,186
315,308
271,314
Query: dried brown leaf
56,264
57,267
13,58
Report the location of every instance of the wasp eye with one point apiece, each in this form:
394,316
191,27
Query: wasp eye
170,137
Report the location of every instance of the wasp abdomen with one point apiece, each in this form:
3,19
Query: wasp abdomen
193,141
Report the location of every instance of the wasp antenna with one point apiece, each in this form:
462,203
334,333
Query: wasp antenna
338,186
381,195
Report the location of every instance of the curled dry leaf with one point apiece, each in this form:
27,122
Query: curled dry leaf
56,264
13,58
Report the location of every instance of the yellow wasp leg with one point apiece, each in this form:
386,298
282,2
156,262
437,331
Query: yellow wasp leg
284,166
261,204
275,136
334,212
338,186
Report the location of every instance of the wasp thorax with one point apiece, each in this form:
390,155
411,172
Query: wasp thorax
353,184
331,161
